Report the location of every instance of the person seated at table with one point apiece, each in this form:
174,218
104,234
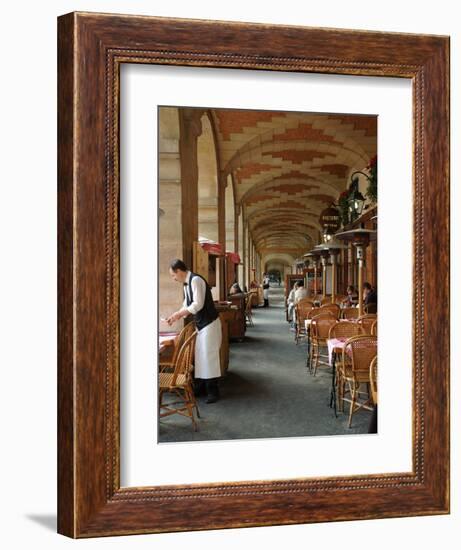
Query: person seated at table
291,301
301,292
352,297
235,289
370,296
254,284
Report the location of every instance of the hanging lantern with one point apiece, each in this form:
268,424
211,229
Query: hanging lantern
330,221
356,200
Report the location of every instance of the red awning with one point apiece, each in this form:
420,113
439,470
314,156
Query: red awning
233,257
213,248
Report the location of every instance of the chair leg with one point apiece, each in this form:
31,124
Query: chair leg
353,398
160,398
317,357
193,400
339,393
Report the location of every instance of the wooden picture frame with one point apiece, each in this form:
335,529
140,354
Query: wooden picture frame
91,49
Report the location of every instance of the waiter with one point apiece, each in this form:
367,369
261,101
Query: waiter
198,301
266,287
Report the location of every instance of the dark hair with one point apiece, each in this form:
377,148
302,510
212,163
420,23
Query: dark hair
300,283
367,286
178,264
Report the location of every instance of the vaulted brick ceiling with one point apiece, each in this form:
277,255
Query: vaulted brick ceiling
287,167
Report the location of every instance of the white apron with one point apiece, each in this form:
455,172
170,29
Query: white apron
207,346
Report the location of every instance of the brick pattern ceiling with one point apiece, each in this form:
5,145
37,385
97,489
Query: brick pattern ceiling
289,166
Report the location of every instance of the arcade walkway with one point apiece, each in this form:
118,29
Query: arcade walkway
268,391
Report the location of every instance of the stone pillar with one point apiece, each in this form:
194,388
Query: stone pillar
169,237
222,234
190,129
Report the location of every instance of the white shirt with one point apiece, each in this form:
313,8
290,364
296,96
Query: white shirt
198,290
300,294
291,296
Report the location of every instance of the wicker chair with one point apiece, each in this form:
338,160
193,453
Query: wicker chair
319,333
326,300
339,298
167,363
366,321
370,308
358,353
350,313
343,331
302,312
334,308
374,328
374,379
179,383
306,302
346,330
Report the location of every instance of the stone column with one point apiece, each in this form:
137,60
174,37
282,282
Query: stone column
169,197
222,234
190,129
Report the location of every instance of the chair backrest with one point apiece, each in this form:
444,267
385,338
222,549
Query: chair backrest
306,302
321,326
374,379
350,313
253,297
345,329
182,337
370,308
362,350
366,321
374,328
302,312
185,358
248,302
334,308
339,298
326,300
314,312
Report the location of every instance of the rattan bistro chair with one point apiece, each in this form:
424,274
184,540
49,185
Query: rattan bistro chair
345,329
314,312
306,302
366,321
168,364
358,353
339,298
179,384
302,312
333,308
370,308
319,333
374,379
350,313
374,328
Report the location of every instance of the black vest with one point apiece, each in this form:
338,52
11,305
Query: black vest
208,313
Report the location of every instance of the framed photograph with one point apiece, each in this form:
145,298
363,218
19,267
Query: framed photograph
219,266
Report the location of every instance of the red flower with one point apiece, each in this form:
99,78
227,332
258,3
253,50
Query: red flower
373,162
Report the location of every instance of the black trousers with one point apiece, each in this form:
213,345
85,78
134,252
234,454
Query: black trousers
206,386
373,426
